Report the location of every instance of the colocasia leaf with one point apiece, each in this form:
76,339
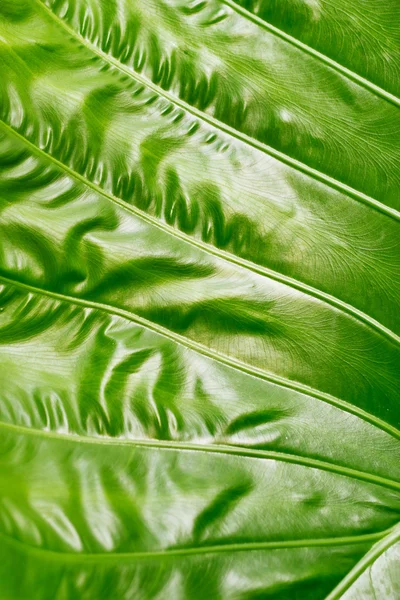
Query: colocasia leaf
199,300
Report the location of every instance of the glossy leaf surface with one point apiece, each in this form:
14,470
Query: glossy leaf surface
199,300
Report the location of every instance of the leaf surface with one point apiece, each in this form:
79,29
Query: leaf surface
199,283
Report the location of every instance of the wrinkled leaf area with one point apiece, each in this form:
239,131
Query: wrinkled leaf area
199,300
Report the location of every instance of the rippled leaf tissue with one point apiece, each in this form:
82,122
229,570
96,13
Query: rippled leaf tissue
199,299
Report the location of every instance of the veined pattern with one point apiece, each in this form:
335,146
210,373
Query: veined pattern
199,300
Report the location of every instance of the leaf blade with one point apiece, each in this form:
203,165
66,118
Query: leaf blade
198,333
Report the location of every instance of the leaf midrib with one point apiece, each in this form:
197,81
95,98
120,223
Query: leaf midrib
359,79
208,248
214,355
246,139
391,538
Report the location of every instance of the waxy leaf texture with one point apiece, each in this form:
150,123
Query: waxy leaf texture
199,300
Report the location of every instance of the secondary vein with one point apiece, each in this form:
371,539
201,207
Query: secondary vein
209,448
209,249
214,355
282,157
179,552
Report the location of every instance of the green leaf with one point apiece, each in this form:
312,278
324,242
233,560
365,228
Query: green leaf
199,300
